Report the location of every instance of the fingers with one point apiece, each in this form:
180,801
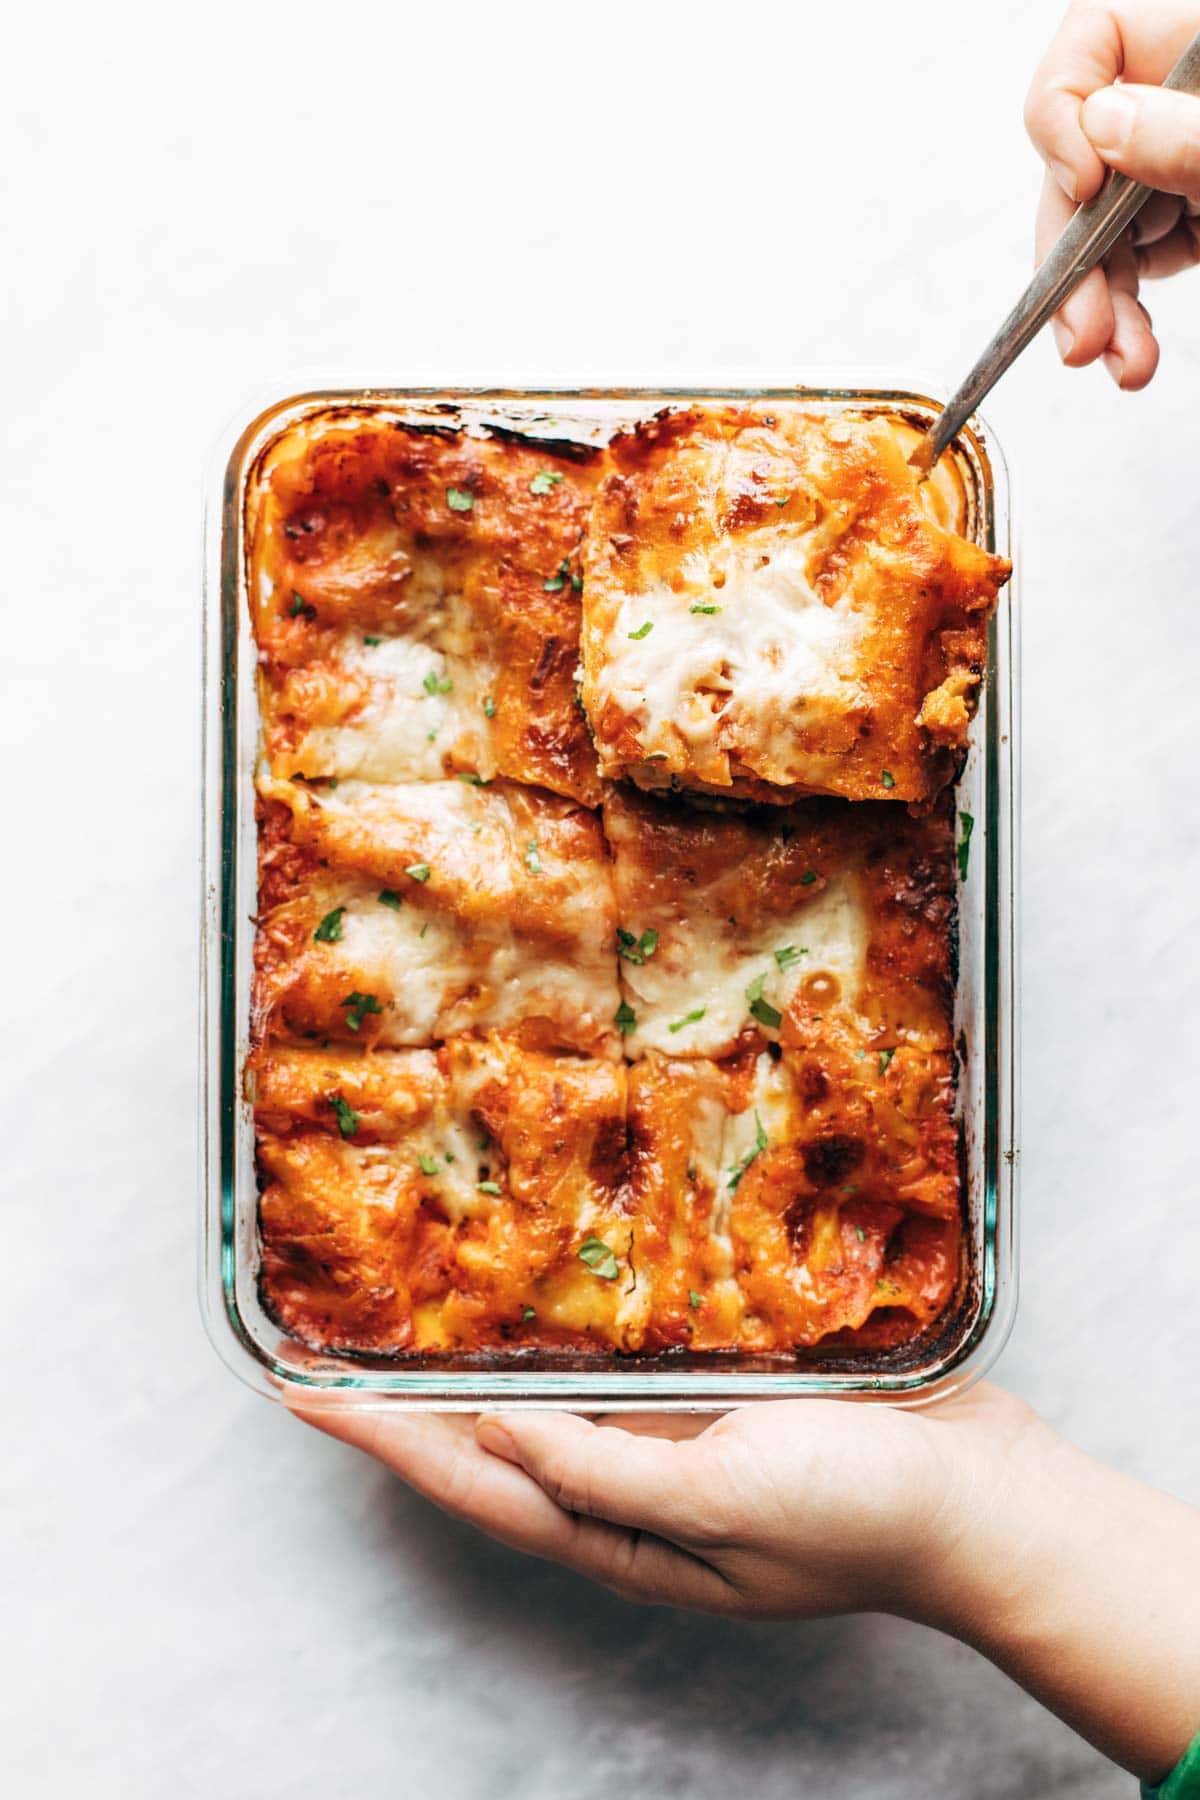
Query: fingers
440,1457
1168,255
1083,326
1085,54
1131,356
648,1483
1150,133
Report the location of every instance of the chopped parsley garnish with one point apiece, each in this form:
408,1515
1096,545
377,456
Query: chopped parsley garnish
554,584
300,607
636,949
643,630
533,860
489,1187
473,778
761,1009
347,1118
372,641
695,1300
527,1315
545,481
888,779
752,1155
964,843
599,1258
418,871
489,707
625,1019
429,1164
787,955
691,1018
784,501
329,931
459,500
424,929
885,1057
808,877
860,1234
577,584
389,897
360,1005
437,684
703,606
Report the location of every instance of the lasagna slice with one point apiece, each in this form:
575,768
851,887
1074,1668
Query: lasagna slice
405,914
463,1199
773,605
787,1200
416,605
788,926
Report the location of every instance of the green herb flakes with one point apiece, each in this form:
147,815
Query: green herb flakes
761,1009
885,1057
372,641
760,1143
599,1258
545,481
389,897
695,1300
533,859
642,630
347,1118
418,871
703,606
360,1005
967,826
787,955
489,707
636,950
625,1019
808,877
527,1315
692,1018
489,1187
459,499
329,931
437,684
888,779
428,1164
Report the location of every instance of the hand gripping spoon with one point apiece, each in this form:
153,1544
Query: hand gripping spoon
1091,232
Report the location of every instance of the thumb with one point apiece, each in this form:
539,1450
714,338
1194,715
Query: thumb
1150,133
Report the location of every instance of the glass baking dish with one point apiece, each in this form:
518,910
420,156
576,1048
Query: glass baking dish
941,1361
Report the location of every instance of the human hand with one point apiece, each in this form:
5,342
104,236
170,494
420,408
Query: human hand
974,1517
1084,121
792,1509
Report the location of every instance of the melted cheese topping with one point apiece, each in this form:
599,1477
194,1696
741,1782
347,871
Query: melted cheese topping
496,913
772,602
417,605
535,1072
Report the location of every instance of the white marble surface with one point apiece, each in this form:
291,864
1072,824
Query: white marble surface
202,1598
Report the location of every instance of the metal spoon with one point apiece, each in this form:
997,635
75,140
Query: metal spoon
1091,232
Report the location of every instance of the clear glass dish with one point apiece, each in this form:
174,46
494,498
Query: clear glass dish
942,1361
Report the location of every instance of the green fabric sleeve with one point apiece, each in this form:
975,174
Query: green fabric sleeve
1183,1783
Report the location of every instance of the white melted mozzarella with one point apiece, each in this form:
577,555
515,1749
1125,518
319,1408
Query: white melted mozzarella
703,964
774,645
411,718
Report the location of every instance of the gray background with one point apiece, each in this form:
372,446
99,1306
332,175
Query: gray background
201,1597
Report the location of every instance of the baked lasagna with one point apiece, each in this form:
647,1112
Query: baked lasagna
776,605
546,1058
